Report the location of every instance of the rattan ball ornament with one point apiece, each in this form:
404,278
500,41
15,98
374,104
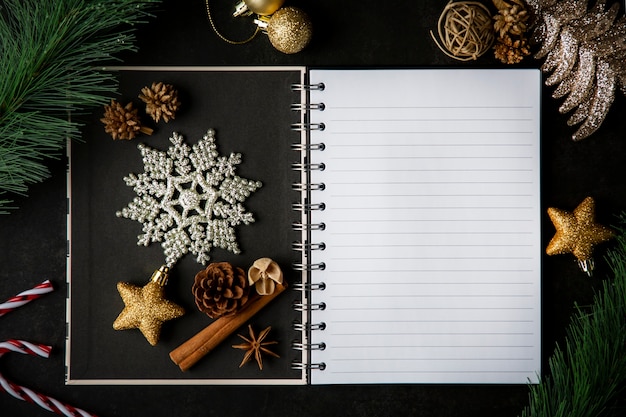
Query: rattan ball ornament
465,30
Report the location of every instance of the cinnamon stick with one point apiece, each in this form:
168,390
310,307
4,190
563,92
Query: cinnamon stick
190,352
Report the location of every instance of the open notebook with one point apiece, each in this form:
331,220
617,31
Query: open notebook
410,196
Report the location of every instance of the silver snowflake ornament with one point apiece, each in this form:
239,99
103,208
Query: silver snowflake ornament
189,198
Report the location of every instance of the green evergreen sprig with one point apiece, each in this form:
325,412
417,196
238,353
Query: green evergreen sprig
49,56
588,377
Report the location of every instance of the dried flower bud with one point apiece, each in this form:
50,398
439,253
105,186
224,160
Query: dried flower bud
265,274
510,51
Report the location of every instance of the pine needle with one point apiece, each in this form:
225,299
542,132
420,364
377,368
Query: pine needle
588,376
49,53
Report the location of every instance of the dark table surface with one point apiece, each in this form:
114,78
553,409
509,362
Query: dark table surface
347,33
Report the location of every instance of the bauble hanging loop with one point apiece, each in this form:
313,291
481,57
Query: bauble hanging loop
289,29
260,7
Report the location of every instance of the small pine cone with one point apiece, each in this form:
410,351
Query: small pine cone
161,101
122,122
511,18
220,290
510,51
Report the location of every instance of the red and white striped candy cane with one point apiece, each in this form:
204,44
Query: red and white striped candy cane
26,394
27,348
25,297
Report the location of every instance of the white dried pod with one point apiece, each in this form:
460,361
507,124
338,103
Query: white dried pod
265,274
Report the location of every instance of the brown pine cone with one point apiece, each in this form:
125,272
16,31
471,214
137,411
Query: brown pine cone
220,289
161,101
510,51
122,122
511,17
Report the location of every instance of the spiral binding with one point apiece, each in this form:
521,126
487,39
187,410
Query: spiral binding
307,246
315,286
298,306
306,106
308,346
299,186
308,87
299,166
309,326
307,126
303,147
308,366
299,226
306,207
309,266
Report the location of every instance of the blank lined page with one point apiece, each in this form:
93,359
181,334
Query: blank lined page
432,226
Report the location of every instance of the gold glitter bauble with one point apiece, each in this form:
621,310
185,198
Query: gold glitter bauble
577,233
289,30
145,307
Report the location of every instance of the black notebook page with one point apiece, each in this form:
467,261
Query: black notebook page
249,109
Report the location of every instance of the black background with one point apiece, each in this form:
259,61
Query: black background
347,33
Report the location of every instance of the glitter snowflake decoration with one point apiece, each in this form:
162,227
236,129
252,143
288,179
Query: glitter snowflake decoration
189,198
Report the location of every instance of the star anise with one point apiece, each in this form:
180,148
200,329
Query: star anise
255,346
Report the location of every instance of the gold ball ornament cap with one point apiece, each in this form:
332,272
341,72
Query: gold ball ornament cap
260,7
289,30
161,275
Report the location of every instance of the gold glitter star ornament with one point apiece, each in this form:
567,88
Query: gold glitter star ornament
577,233
146,308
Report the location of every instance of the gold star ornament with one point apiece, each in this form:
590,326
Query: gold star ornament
146,308
577,233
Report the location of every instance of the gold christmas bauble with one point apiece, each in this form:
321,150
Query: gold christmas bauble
264,7
289,30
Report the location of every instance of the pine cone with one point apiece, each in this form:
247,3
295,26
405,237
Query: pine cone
220,289
122,122
161,101
511,18
510,51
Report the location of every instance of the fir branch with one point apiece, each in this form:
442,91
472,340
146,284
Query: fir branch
49,52
589,375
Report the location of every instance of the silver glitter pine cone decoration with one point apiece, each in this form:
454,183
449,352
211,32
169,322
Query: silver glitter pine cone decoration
585,54
289,30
